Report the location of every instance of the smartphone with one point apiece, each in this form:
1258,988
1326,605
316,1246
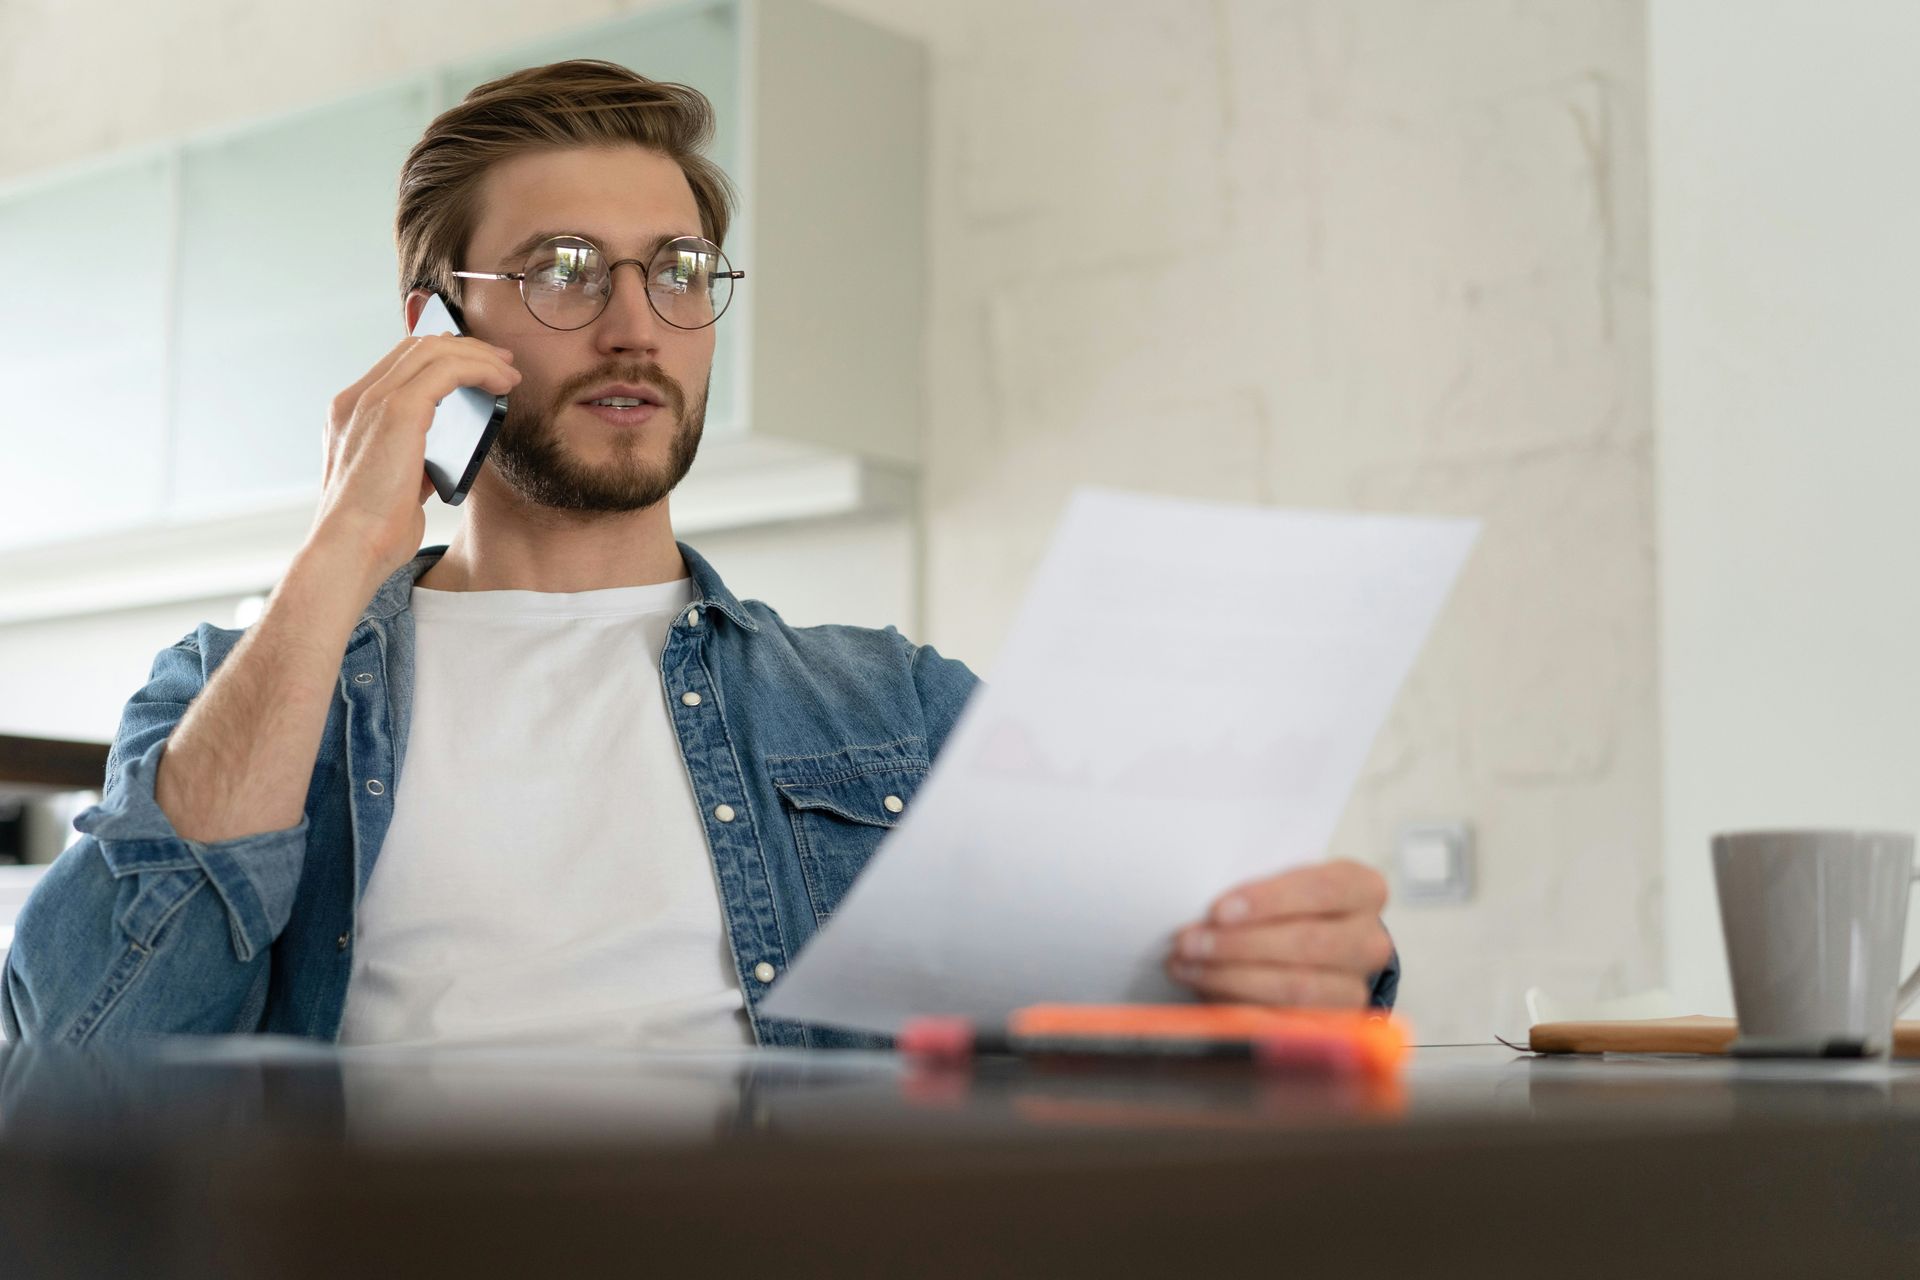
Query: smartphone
464,423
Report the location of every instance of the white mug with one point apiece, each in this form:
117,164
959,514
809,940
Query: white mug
1814,922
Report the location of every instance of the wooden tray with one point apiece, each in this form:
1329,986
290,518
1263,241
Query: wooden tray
1669,1035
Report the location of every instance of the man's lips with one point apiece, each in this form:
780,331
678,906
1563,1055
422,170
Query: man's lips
652,400
644,391
631,416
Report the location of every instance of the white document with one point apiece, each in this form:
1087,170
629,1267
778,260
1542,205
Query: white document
1184,703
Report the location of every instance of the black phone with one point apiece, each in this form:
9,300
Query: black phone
464,423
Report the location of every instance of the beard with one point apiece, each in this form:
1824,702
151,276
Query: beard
530,456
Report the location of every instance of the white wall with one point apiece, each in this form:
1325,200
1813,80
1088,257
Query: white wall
1388,255
1786,202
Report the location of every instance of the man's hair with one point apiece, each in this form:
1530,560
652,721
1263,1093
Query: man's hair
583,103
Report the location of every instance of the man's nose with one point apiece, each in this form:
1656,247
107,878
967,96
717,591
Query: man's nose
629,323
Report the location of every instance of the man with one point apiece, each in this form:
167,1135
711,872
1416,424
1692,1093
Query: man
552,782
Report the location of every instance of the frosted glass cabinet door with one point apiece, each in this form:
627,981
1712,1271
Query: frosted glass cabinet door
82,349
288,292
697,45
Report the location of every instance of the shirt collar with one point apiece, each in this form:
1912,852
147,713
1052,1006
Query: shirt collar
710,591
713,593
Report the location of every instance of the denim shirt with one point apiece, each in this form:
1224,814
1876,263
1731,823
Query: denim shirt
798,737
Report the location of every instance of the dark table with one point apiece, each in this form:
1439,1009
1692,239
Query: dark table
271,1158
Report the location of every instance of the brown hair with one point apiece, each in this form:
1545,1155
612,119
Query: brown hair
582,103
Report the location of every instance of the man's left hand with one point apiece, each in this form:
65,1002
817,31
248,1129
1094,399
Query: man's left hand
1309,937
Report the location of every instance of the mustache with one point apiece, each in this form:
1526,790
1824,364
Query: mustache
623,371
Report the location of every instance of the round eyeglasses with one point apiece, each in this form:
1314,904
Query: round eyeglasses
566,282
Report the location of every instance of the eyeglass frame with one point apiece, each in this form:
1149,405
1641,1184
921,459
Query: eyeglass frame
521,278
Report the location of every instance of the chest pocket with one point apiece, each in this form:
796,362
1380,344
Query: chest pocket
842,805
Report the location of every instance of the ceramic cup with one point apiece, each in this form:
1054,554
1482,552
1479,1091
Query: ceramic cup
1814,922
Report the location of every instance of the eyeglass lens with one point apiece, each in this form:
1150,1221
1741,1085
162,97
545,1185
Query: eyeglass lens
567,282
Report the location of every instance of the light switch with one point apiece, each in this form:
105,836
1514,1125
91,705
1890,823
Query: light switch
1436,862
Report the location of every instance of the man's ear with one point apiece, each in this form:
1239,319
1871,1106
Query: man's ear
415,304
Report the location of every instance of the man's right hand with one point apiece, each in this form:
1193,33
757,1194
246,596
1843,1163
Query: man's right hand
375,483
240,761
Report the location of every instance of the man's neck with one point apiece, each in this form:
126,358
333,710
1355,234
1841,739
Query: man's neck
506,545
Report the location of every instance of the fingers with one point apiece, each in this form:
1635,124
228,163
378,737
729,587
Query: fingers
438,366
400,391
1357,944
406,358
351,396
348,400
1290,987
1336,888
1310,937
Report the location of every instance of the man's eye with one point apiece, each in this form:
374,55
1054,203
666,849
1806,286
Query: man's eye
559,266
685,274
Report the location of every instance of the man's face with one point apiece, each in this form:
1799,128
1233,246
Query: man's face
554,449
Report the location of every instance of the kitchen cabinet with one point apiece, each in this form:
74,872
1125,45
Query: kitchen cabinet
252,276
285,293
83,350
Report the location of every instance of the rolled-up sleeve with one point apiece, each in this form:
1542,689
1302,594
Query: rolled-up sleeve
135,929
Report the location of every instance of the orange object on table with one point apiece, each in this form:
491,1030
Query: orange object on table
1283,1038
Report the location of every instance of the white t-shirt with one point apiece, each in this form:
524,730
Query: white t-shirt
546,877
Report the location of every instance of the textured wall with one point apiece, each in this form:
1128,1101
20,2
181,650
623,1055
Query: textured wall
1389,255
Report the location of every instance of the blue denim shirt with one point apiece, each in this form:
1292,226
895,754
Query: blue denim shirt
801,732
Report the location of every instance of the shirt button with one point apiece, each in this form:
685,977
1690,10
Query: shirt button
894,804
693,617
763,971
343,940
375,787
365,677
690,698
724,812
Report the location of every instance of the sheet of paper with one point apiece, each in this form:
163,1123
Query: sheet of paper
1184,702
